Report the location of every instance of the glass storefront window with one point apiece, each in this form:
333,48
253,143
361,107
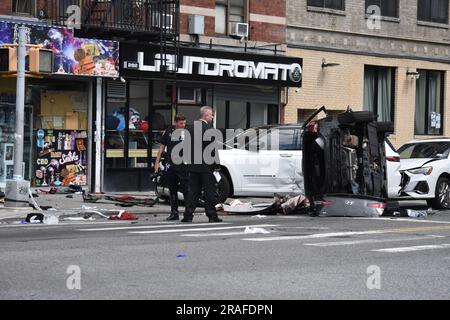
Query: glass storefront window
138,124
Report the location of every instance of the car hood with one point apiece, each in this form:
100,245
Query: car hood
406,164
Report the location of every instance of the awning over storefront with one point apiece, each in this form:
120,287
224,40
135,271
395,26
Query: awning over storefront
144,61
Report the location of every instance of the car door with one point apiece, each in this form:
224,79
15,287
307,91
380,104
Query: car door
272,168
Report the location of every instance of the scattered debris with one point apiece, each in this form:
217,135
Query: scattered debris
50,219
123,216
34,218
255,230
124,200
259,216
182,255
417,213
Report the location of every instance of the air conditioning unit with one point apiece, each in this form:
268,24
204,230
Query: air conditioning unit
189,96
239,29
165,23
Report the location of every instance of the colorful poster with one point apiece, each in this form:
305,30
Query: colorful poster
86,57
61,158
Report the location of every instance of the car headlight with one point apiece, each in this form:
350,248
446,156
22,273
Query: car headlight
425,170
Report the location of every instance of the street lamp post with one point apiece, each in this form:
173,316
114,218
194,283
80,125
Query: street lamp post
17,190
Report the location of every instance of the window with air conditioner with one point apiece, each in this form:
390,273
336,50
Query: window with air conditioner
26,7
189,96
231,18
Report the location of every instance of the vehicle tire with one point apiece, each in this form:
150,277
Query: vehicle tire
355,117
386,126
223,191
164,199
440,201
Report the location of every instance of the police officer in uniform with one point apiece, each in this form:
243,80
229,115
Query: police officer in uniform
176,176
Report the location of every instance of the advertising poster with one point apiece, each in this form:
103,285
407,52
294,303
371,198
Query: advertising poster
61,158
86,57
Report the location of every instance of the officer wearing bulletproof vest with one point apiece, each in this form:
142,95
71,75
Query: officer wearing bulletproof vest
177,177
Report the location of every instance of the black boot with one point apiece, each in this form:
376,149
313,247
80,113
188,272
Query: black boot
174,216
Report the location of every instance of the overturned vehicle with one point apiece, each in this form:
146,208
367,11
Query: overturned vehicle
344,164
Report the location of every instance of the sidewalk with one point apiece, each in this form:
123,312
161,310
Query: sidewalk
66,204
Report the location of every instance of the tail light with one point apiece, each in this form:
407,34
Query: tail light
393,159
325,203
377,205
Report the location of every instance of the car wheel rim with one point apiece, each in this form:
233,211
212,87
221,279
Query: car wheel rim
443,194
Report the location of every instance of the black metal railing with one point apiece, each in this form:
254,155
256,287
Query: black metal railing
144,16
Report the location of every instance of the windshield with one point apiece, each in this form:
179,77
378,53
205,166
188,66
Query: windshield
435,150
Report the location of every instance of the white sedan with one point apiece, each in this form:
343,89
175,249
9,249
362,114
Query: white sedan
425,166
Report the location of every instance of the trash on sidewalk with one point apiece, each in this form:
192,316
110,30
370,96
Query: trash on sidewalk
259,216
182,255
254,230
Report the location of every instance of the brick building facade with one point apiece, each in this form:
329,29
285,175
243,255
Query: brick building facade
343,46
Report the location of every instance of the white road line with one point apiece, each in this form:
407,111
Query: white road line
150,227
368,241
218,234
416,248
318,235
201,229
394,219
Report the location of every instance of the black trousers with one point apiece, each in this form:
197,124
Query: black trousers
177,180
198,182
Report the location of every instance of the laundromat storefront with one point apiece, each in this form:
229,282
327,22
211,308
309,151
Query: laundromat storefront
244,89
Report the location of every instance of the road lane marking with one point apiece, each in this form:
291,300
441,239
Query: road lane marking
415,248
218,234
200,229
351,233
149,227
404,220
368,241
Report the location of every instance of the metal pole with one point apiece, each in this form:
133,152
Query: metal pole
17,190
20,104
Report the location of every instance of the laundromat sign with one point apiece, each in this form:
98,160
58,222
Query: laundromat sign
211,66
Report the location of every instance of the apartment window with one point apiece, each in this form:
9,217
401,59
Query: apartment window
329,4
379,91
389,8
429,103
433,11
24,6
227,12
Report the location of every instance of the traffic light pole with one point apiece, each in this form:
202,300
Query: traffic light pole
20,104
17,190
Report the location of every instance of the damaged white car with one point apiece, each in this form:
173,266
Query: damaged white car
425,166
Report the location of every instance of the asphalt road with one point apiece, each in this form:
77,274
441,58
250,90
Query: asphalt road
301,258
